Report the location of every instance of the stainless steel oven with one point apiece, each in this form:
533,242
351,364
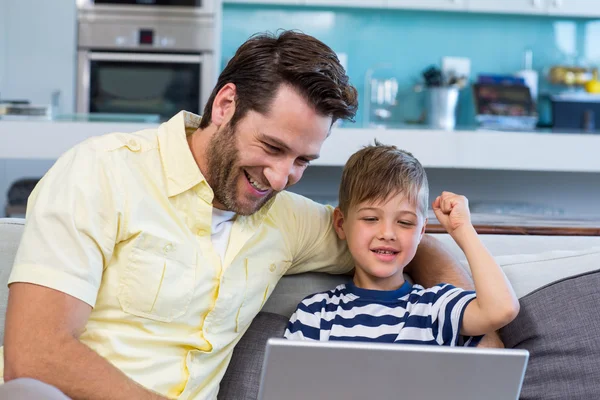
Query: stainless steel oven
138,61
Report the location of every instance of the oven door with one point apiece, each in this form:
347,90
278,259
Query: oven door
141,83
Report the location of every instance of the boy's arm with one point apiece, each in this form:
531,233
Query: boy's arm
496,303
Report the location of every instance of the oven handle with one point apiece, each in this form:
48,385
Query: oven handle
145,57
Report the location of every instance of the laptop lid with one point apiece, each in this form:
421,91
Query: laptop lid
359,370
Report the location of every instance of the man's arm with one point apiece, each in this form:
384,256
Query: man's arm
42,342
434,264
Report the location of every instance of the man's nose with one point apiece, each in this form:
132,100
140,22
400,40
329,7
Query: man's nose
278,175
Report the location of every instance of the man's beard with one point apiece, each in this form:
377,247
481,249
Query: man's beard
224,171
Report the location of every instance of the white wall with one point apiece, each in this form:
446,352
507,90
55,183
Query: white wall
38,50
3,43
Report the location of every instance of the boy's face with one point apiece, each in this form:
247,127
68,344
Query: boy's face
382,238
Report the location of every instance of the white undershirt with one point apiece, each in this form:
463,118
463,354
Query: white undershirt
222,221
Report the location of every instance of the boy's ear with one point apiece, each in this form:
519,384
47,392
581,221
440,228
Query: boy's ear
423,229
338,223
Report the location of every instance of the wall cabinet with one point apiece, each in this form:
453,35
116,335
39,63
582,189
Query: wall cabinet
281,2
567,8
509,6
347,3
574,8
38,51
446,5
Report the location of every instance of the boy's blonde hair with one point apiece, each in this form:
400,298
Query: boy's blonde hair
379,171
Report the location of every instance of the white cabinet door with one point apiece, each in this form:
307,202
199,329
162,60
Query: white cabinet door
282,2
510,6
456,5
575,8
39,50
347,3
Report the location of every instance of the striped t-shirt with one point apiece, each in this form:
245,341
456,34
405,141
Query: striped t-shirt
410,315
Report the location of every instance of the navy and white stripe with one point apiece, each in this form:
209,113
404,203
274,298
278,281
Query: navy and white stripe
410,314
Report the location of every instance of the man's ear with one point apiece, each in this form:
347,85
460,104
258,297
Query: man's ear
224,105
338,223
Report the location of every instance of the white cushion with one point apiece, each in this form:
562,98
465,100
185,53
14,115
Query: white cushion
528,272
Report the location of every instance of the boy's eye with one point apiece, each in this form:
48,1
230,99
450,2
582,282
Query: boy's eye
406,223
369,219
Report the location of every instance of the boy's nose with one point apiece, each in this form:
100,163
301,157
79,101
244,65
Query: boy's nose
388,233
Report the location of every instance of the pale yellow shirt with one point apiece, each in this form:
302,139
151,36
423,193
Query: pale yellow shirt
123,223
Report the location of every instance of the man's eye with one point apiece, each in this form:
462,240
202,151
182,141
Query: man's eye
272,148
303,162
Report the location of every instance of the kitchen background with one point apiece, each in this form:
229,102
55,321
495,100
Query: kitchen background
38,58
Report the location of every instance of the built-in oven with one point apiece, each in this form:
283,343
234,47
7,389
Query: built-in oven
133,62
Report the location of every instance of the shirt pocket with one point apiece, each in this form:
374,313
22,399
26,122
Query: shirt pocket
260,282
159,279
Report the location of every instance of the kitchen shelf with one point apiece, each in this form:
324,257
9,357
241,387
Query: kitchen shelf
468,149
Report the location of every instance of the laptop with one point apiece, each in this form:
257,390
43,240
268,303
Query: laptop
359,370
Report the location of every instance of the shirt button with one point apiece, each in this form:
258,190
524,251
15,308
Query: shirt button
272,268
168,248
202,232
133,145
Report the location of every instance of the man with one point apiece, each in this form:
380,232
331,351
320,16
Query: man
146,256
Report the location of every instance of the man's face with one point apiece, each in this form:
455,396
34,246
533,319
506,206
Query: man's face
264,154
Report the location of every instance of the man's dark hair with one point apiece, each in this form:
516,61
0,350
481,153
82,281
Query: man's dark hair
266,61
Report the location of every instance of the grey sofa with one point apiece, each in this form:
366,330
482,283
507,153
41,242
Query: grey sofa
556,278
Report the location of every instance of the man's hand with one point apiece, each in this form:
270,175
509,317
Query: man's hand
491,341
452,211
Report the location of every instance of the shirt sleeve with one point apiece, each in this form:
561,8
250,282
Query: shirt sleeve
71,225
315,244
448,308
305,323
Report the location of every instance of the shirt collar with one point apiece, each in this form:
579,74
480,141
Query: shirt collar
381,295
179,165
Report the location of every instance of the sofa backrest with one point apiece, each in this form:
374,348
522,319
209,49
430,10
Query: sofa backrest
292,289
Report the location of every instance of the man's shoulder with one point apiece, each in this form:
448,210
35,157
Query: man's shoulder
290,204
286,198
135,142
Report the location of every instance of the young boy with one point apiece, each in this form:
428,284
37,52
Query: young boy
382,215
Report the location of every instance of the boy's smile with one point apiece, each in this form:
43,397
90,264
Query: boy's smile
383,238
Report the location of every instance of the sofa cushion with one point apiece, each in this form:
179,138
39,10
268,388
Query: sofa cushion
558,325
242,379
529,272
